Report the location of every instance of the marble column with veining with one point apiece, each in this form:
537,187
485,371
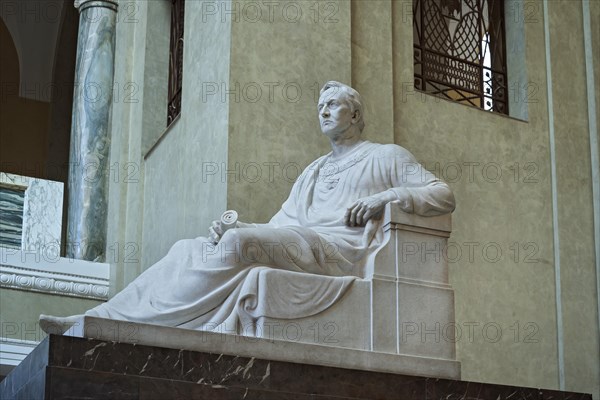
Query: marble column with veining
90,141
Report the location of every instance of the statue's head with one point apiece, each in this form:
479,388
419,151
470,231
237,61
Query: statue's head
340,108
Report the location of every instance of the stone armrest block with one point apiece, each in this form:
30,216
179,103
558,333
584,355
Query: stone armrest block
413,247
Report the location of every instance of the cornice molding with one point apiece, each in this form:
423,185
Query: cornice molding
64,277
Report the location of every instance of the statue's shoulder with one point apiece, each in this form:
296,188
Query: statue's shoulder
319,160
311,168
391,150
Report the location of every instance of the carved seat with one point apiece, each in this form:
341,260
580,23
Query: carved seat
404,303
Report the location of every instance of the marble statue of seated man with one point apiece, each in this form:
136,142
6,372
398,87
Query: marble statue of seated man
324,231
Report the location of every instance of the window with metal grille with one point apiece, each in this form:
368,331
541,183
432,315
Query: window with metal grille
175,60
460,51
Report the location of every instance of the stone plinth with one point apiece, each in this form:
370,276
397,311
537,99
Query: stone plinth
71,367
270,347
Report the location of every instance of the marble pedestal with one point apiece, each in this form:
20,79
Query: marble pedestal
270,348
64,367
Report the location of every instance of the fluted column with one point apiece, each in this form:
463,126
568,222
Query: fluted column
90,142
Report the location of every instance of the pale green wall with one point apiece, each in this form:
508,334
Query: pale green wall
575,222
372,72
491,213
283,129
125,200
20,311
189,200
164,166
370,46
506,212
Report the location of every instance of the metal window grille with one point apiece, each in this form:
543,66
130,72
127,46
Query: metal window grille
460,51
175,60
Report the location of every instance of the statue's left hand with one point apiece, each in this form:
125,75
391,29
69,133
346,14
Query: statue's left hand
362,210
215,231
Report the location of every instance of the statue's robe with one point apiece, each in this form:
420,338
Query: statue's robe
228,287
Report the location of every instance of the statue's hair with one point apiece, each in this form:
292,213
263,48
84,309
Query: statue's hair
353,96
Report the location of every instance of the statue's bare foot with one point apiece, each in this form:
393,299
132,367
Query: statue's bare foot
57,325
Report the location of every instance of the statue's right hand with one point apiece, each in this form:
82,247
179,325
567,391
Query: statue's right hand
215,231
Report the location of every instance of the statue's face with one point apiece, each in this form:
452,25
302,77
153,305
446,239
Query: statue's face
335,112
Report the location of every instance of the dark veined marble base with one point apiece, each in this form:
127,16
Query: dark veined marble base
64,367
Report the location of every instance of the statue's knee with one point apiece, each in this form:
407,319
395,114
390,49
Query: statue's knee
242,244
233,238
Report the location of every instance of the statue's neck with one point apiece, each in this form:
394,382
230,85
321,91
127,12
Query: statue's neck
342,148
